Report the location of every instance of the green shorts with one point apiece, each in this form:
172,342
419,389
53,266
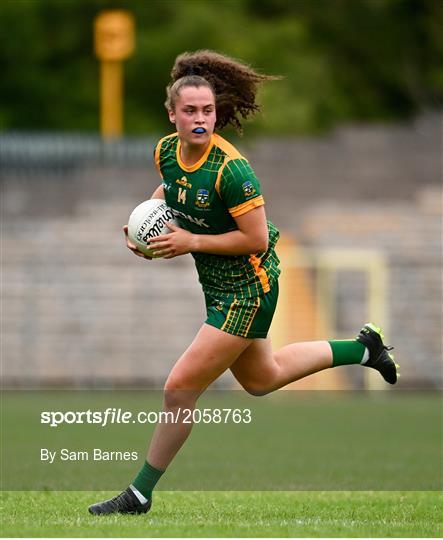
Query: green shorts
245,317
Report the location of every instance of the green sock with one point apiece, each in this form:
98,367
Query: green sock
346,351
146,479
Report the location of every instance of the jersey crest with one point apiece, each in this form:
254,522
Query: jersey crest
202,198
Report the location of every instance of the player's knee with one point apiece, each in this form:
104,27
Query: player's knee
256,389
176,395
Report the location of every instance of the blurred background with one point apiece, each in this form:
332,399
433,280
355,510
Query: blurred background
348,149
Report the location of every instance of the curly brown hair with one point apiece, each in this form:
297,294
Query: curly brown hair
234,84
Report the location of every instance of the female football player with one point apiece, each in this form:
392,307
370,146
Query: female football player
217,200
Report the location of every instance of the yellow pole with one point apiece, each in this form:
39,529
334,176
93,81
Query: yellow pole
113,42
111,98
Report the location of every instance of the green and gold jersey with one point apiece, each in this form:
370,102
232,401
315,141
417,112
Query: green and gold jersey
205,199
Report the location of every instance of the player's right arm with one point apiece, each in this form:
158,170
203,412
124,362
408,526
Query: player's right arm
158,194
133,247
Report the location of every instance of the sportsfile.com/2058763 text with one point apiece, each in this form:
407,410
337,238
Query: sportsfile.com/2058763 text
113,415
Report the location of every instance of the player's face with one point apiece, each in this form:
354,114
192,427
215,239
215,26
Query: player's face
194,115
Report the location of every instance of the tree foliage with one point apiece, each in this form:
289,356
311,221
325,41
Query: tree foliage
342,60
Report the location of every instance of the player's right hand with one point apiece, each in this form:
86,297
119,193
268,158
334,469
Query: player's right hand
133,247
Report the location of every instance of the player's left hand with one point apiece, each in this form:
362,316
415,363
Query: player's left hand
178,242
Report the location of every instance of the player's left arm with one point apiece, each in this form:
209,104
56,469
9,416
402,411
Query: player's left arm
251,237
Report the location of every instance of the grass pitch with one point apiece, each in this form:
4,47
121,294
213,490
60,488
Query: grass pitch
229,514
